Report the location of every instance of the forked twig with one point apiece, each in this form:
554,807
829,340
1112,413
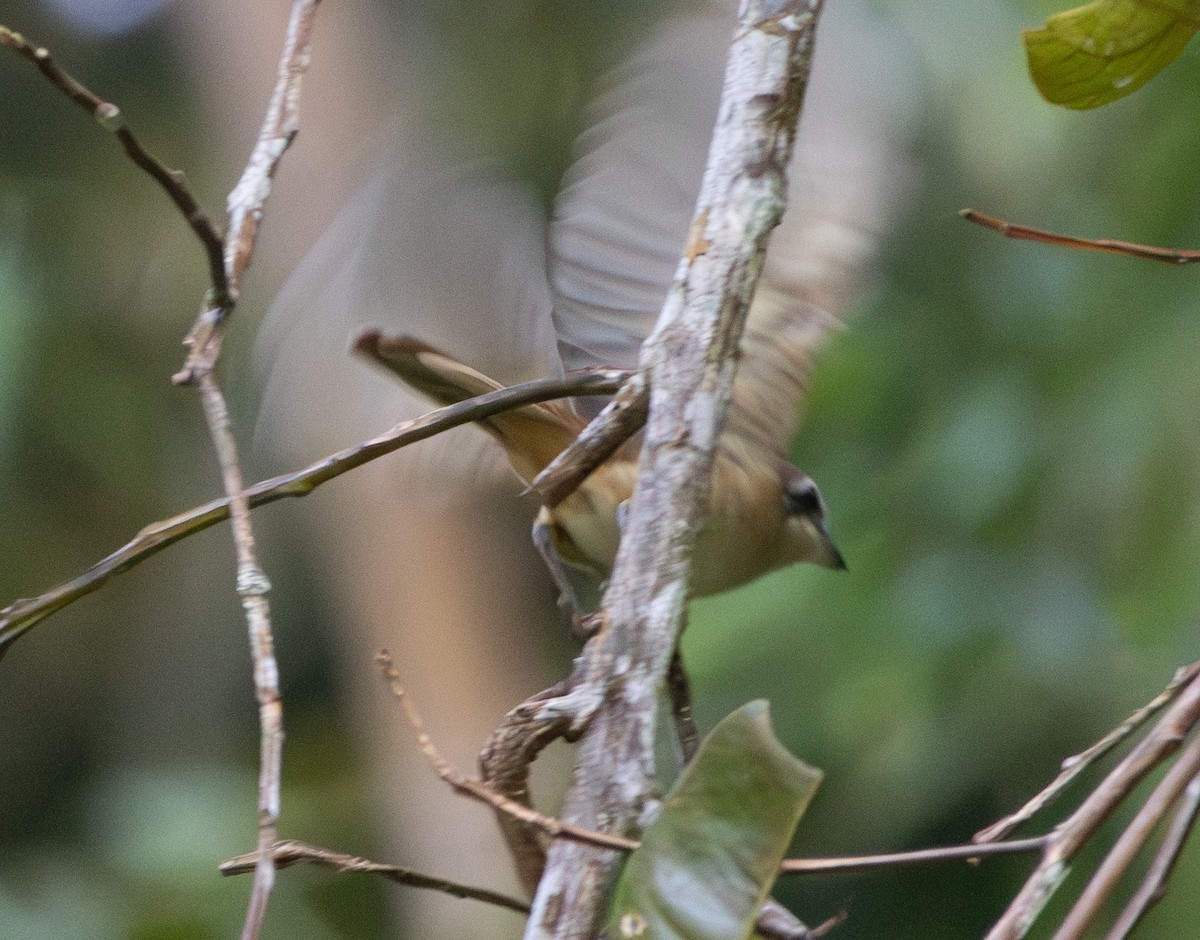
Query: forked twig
109,117
245,211
228,260
620,419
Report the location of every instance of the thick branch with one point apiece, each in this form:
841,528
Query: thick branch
689,361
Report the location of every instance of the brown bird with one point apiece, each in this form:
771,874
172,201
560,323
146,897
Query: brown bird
763,513
619,223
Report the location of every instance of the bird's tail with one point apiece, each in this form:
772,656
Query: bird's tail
532,435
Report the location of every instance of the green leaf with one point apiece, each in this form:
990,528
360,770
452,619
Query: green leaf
706,863
1107,49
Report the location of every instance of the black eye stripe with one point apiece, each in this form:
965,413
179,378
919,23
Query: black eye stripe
802,498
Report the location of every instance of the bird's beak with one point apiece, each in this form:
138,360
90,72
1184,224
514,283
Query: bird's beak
833,557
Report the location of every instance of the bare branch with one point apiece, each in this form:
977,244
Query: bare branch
248,198
1072,767
620,419
1110,246
1119,858
22,615
1154,885
828,866
1067,839
291,852
556,828
477,790
109,117
689,362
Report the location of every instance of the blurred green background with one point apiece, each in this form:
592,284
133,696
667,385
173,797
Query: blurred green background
1007,438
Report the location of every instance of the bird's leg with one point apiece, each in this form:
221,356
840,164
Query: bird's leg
568,600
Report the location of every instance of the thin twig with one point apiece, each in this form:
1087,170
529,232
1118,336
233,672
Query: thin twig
827,927
1073,766
291,852
22,615
109,117
1069,837
477,790
247,199
1122,854
252,588
1154,884
828,866
245,211
1110,246
619,420
556,828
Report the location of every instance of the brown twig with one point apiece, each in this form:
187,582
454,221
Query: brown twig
824,929
245,210
109,117
1072,767
227,261
1070,835
477,790
556,828
1154,884
1107,245
620,419
252,588
22,615
828,866
291,852
247,199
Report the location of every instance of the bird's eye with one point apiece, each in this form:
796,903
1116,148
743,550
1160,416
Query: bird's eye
802,498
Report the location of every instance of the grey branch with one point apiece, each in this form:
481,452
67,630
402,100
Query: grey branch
689,363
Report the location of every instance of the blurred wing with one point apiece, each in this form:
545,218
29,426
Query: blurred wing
623,213
456,258
849,175
626,201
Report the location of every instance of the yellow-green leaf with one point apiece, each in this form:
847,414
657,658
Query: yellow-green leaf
706,863
1102,51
